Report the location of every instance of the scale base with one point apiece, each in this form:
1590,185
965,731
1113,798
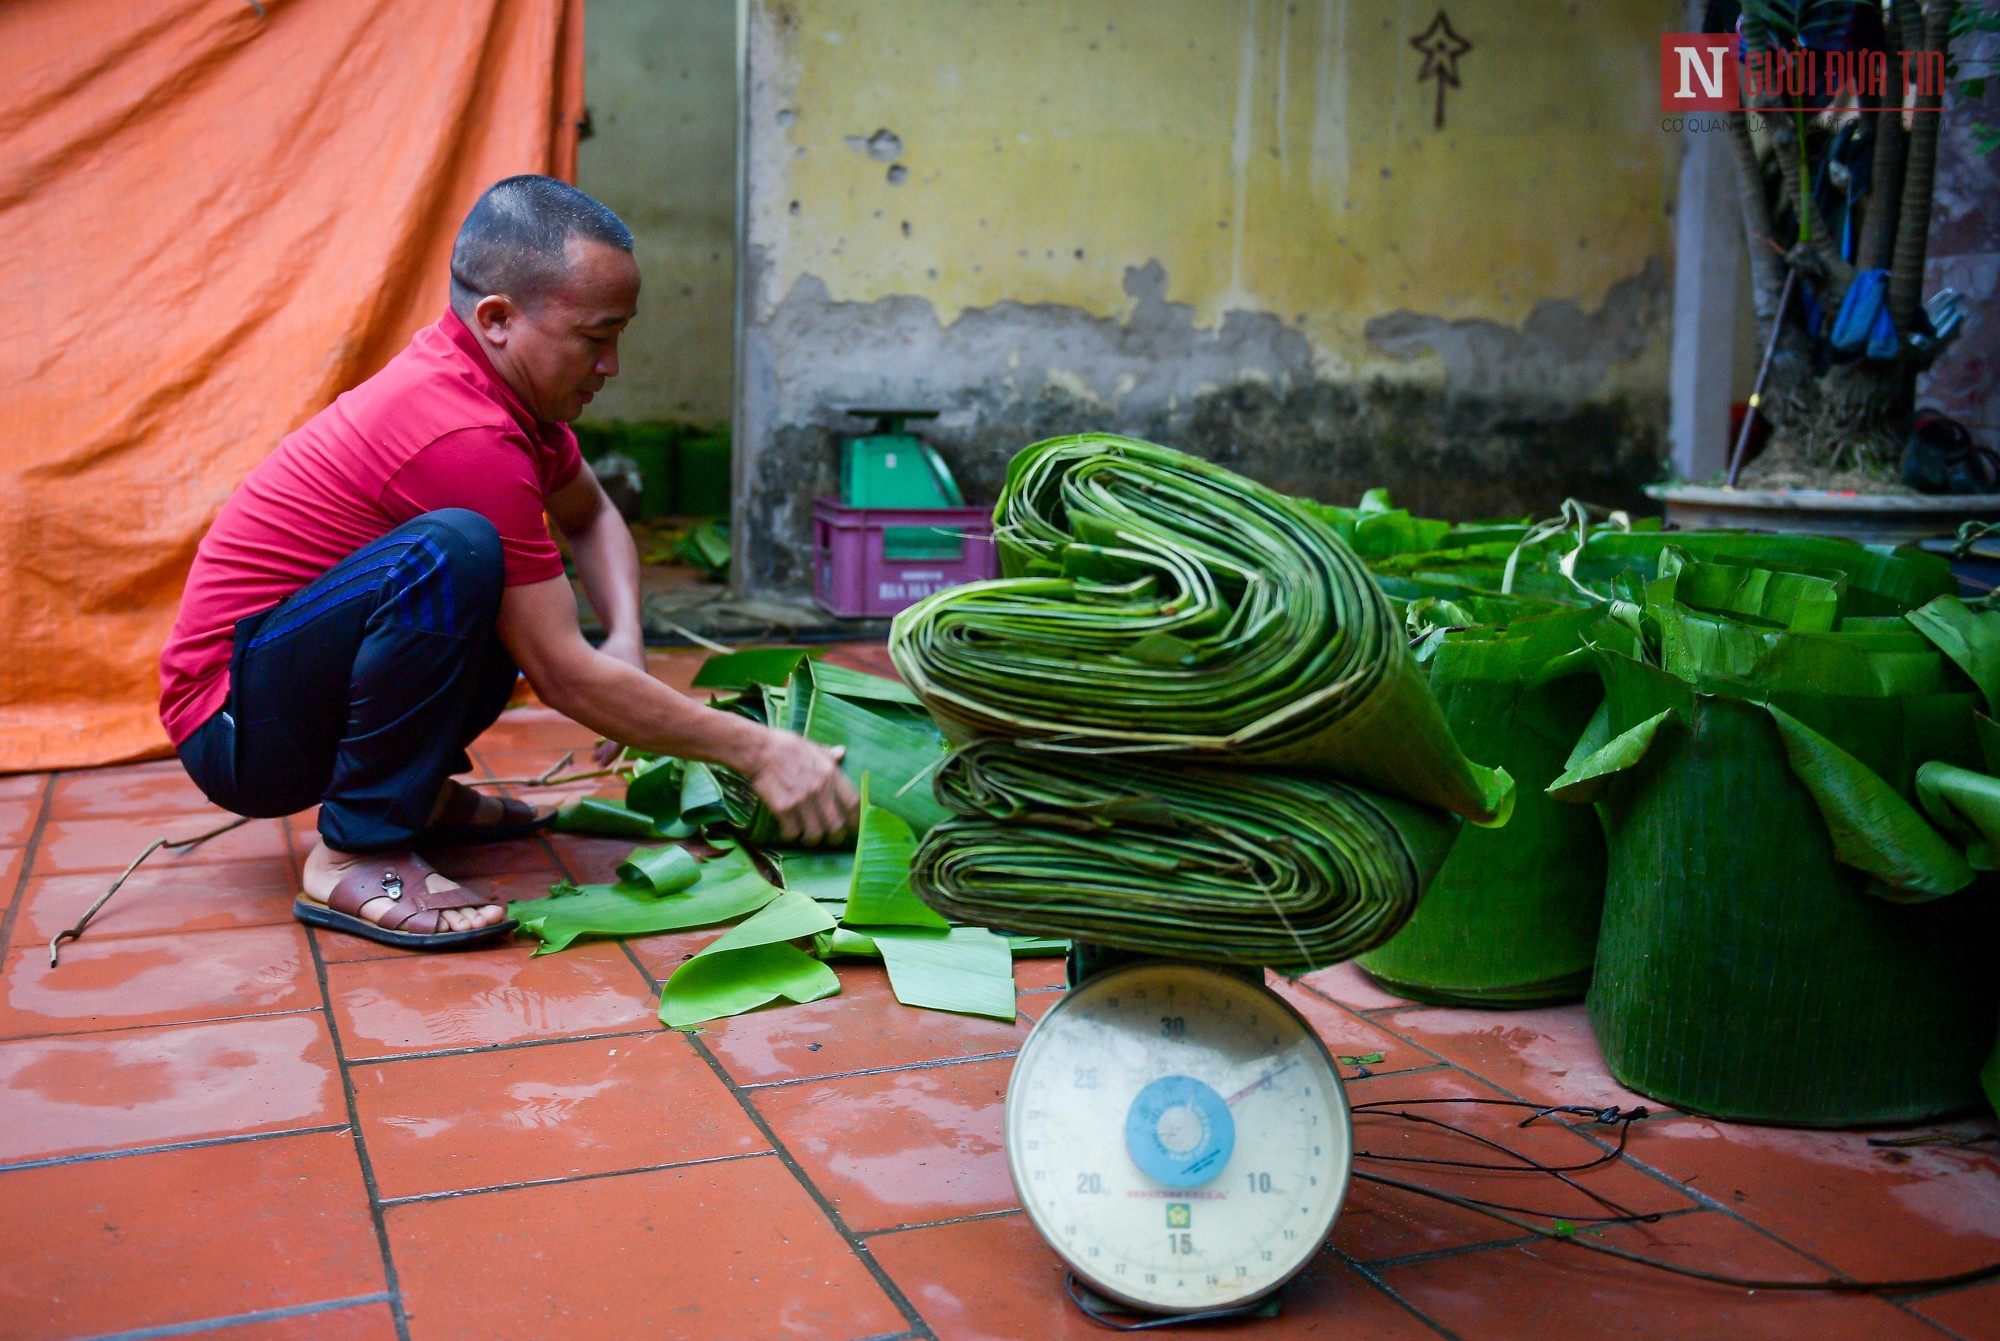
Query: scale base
1100,1308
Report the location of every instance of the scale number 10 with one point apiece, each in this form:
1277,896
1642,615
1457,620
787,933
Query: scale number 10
1259,1182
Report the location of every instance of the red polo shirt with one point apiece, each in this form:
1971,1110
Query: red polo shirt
436,428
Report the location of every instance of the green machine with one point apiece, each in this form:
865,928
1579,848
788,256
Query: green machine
891,468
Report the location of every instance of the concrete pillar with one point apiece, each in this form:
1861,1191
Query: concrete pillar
1708,259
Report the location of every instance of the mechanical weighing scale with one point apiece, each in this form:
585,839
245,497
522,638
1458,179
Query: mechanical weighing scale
1178,1134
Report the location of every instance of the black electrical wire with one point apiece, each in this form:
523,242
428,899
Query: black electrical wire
1528,1164
1833,1284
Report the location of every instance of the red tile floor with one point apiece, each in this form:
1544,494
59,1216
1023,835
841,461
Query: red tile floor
215,1122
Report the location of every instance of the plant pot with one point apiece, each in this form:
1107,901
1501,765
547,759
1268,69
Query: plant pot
1874,519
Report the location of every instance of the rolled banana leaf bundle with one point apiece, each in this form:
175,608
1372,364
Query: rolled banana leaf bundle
1157,605
1511,919
1786,938
1263,868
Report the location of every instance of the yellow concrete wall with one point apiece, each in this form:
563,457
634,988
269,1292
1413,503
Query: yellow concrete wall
1273,155
1270,171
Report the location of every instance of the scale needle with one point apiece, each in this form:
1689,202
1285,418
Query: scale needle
1260,1082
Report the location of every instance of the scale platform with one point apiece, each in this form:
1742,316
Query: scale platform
1178,1134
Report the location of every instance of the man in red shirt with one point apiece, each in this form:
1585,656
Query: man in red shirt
361,608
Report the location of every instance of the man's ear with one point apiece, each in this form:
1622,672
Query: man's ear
493,316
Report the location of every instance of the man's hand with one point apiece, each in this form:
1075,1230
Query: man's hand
802,784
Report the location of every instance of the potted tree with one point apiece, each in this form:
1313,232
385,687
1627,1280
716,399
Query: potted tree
1836,159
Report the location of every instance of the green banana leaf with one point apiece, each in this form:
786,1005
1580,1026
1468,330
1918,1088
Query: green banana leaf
655,790
1158,605
751,965
1262,868
1971,640
879,895
964,969
608,819
730,886
822,876
663,870
1750,964
705,548
1966,805
1511,917
888,738
757,665
1872,828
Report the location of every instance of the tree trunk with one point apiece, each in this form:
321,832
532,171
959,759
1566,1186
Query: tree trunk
1885,190
1767,271
1906,274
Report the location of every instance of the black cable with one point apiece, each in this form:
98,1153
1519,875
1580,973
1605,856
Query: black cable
1835,1285
1528,1162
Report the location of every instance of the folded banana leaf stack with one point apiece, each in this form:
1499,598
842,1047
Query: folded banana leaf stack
1786,938
1256,867
1155,605
1511,919
1965,806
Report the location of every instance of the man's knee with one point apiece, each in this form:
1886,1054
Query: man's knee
467,554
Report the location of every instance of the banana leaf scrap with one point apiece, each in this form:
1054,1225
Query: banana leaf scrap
1265,868
662,890
1788,936
1157,605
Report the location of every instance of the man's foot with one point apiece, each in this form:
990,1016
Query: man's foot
464,815
325,870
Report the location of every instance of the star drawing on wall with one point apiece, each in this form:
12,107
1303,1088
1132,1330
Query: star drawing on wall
1441,47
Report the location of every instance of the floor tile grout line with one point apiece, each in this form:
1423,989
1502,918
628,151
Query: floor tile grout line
1003,1213
478,1049
1362,1270
422,1198
242,1319
883,1281
29,851
390,1278
168,1147
754,1087
81,1034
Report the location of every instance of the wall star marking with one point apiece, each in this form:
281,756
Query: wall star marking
1441,47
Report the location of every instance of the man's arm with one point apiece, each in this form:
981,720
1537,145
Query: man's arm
606,560
610,692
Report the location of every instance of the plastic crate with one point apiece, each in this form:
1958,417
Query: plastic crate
853,576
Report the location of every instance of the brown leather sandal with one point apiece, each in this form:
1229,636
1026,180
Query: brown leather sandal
413,925
456,826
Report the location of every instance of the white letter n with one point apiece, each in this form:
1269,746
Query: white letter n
1710,77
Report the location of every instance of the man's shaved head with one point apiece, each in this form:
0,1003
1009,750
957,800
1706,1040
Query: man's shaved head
516,240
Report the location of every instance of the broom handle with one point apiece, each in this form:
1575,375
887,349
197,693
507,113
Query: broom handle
1763,371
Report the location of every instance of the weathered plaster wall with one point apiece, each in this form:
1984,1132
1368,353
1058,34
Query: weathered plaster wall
1964,253
659,79
1229,225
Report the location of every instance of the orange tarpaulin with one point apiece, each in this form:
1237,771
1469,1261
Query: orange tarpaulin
216,217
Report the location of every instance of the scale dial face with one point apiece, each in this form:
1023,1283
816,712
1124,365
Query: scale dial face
1179,1136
